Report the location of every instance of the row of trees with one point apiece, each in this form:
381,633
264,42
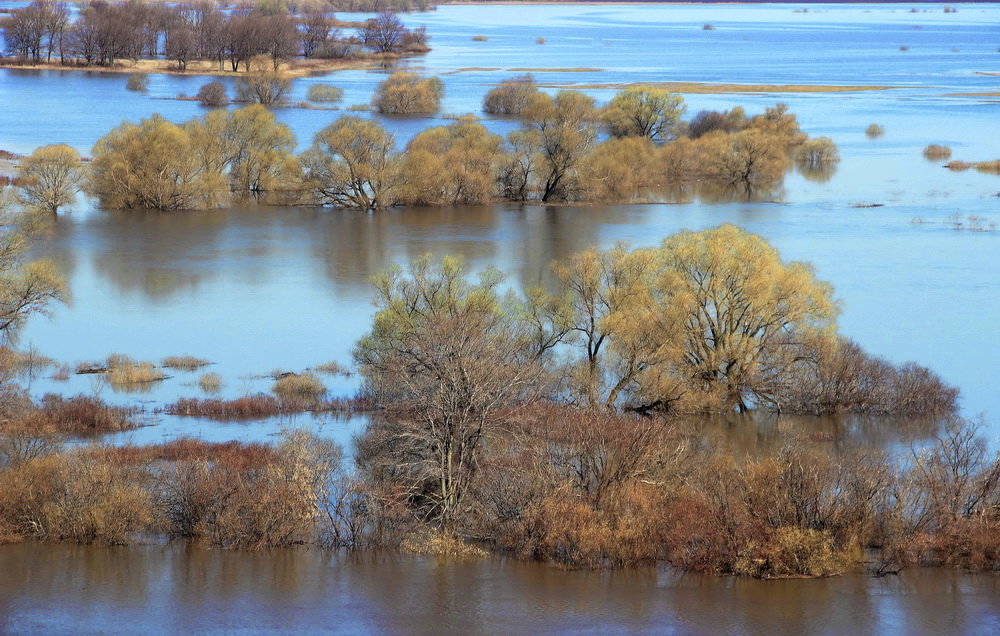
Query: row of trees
107,32
354,163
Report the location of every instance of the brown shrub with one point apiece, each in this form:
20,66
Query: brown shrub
82,414
934,152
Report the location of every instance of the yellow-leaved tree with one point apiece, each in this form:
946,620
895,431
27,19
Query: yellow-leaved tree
740,313
50,177
451,165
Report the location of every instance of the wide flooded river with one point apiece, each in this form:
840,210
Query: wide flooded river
254,289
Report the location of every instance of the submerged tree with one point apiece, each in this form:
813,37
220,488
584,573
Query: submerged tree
50,177
26,288
352,163
450,355
561,130
404,93
741,311
451,165
644,112
152,164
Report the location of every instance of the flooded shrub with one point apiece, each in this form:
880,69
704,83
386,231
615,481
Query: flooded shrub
213,94
137,82
618,170
644,112
707,121
479,38
50,177
262,84
935,152
325,93
539,40
265,503
750,157
210,382
451,165
817,152
988,167
511,96
185,363
874,131
792,551
405,93
299,389
334,368
76,496
839,377
958,166
82,414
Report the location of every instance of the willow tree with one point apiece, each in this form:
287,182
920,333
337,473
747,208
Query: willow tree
247,144
26,288
611,318
353,164
451,165
644,112
50,177
741,312
561,130
153,164
450,355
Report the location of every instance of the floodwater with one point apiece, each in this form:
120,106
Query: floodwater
180,589
255,289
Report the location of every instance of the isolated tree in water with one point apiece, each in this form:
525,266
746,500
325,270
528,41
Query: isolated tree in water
51,177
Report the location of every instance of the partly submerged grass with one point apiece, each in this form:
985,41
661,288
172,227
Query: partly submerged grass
126,373
210,382
262,405
298,389
185,363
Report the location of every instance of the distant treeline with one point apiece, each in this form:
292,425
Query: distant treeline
105,32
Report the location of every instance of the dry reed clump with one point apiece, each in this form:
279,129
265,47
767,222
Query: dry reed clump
128,374
989,167
263,405
935,152
210,382
539,40
299,389
440,543
184,363
248,406
479,38
874,131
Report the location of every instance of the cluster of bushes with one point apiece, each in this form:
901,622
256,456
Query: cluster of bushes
576,487
229,495
104,33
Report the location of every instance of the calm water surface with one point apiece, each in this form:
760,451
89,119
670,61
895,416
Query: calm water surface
255,289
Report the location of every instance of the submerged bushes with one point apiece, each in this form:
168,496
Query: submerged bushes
554,156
